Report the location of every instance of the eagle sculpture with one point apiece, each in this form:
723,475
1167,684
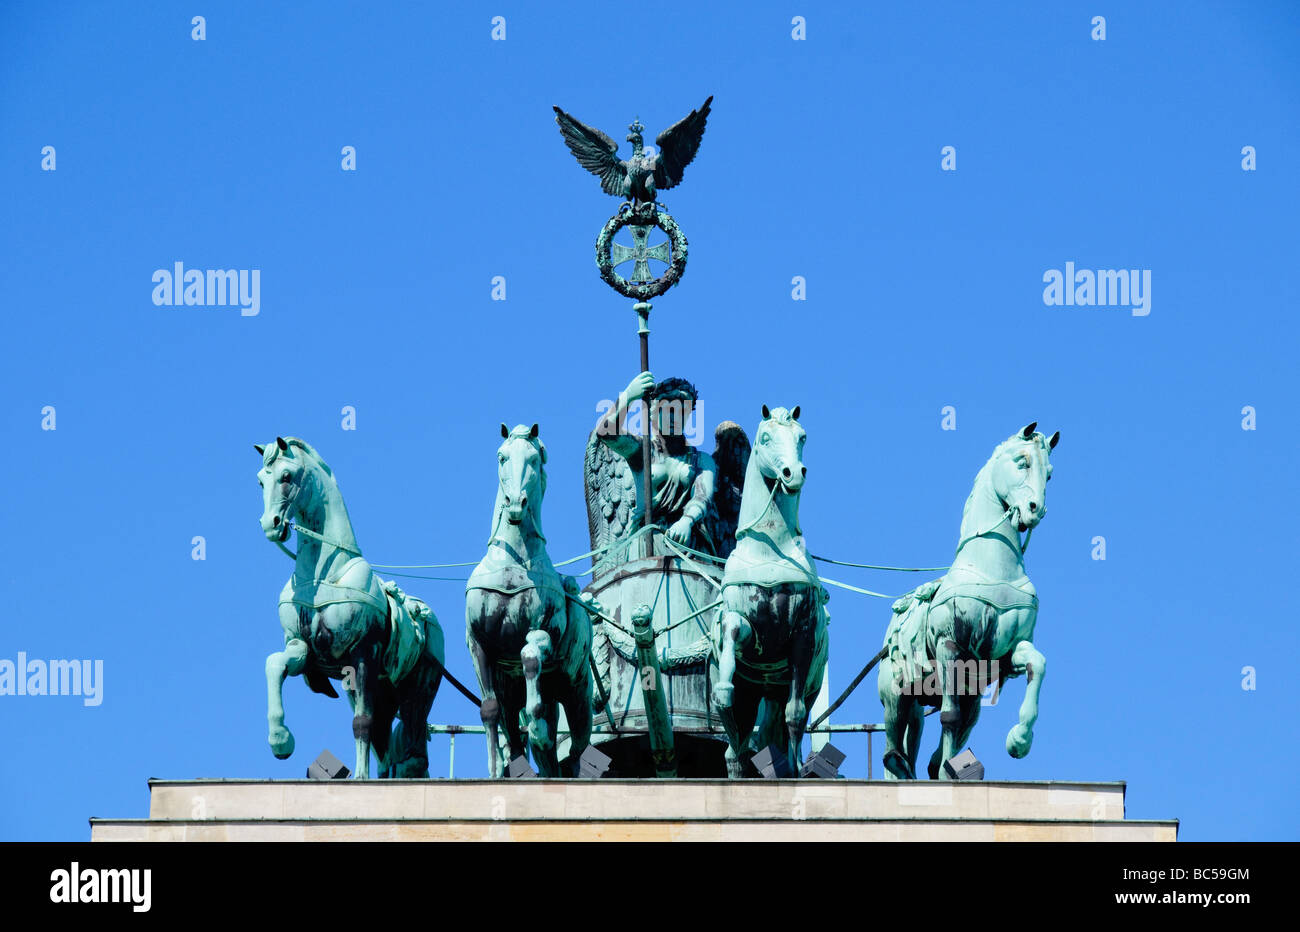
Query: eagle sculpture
639,178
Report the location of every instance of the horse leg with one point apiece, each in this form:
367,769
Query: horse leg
409,754
577,710
912,736
769,728
415,757
796,708
289,662
541,714
382,738
362,696
736,634
899,719
1026,659
945,662
970,714
490,709
510,689
744,712
547,756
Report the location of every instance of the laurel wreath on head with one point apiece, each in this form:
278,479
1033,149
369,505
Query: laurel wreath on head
641,291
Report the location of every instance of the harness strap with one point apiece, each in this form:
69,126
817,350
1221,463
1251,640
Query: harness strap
323,539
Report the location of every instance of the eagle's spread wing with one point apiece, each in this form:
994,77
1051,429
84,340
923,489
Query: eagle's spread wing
731,459
595,152
678,145
611,498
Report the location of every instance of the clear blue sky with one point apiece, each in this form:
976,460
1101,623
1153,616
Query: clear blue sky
822,159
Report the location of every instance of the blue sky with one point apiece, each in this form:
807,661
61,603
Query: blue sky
822,160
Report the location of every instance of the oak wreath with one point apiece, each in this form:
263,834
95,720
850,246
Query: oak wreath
609,253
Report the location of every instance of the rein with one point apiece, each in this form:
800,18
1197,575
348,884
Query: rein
496,519
1024,544
293,505
323,539
312,534
771,497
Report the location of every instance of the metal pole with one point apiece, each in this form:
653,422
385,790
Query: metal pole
451,755
642,309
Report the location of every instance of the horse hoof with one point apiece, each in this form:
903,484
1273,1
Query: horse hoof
281,741
1019,740
897,768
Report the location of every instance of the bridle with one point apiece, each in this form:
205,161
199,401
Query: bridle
292,505
1024,543
501,486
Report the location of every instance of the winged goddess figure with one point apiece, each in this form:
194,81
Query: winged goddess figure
697,496
641,177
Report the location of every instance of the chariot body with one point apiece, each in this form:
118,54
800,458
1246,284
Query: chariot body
655,597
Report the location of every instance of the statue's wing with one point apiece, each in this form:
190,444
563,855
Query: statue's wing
678,145
595,152
731,459
611,494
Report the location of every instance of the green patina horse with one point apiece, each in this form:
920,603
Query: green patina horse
528,636
341,621
772,629
950,639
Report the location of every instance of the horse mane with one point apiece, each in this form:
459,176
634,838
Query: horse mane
307,448
750,492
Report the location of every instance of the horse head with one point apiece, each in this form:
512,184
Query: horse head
521,474
1019,472
287,478
778,453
